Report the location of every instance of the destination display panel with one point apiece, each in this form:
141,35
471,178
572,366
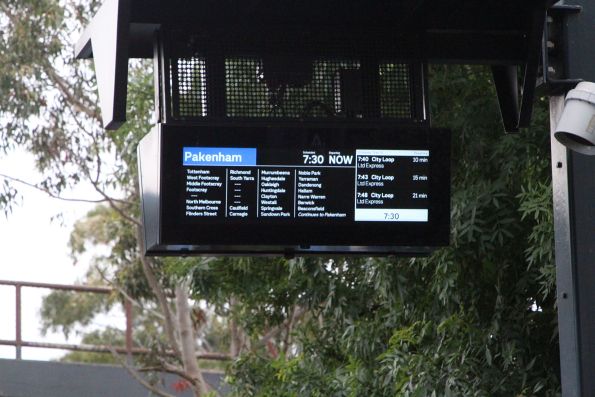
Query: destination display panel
296,190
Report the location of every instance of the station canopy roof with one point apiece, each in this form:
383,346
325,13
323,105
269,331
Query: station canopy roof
467,31
505,34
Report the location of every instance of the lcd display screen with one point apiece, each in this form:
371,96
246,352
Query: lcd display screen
303,189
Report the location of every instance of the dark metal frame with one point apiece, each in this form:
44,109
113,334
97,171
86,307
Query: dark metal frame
553,74
505,34
517,115
167,99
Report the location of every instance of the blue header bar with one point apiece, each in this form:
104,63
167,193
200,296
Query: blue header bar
218,156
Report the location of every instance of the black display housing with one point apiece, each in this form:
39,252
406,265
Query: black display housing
169,231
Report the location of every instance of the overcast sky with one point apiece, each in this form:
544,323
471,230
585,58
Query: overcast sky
33,248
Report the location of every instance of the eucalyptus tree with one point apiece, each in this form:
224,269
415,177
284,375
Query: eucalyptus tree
48,105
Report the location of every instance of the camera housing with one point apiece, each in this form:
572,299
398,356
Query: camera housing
576,128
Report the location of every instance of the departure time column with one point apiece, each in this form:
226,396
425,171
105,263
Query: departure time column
391,185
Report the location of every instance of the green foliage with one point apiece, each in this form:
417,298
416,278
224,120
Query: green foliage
8,195
64,310
140,107
49,106
474,319
107,337
40,106
25,42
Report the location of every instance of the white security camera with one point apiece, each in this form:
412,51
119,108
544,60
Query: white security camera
576,128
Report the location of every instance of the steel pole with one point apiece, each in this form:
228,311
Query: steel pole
18,336
128,311
565,274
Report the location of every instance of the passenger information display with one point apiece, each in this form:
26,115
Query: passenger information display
363,185
295,189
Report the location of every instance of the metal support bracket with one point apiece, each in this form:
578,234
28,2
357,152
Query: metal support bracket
517,115
553,79
107,40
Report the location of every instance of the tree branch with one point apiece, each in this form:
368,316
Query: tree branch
49,193
188,341
112,204
166,367
136,376
238,338
64,88
159,293
93,138
298,313
293,319
126,296
174,370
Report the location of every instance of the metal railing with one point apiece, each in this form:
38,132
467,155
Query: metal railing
128,349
